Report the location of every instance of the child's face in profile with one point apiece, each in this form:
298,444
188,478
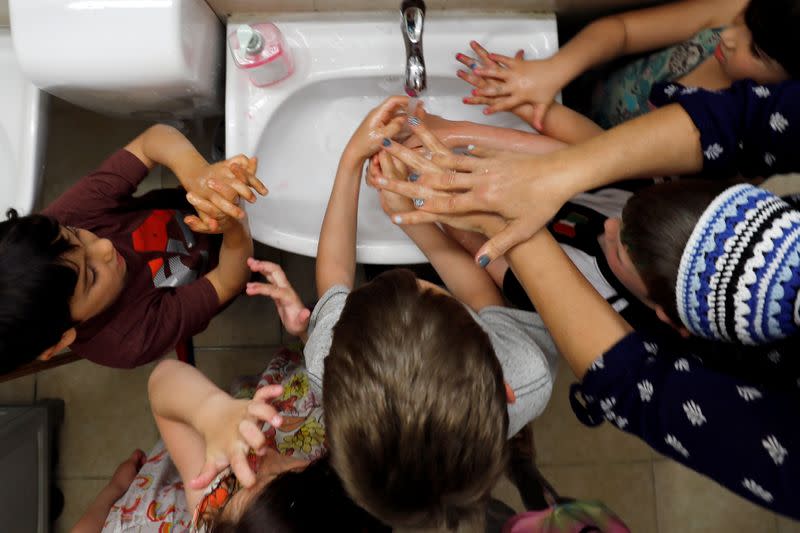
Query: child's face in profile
620,262
101,273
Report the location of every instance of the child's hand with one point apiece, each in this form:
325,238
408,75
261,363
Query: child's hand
234,428
293,313
383,165
216,195
441,127
383,122
526,88
216,192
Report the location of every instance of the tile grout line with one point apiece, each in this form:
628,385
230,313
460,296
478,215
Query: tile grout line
655,495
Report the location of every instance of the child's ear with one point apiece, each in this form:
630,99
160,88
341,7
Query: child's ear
66,339
664,317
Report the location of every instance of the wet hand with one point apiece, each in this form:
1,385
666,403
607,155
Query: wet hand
217,190
518,192
502,83
380,125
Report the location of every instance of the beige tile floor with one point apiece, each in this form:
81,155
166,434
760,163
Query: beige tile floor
107,412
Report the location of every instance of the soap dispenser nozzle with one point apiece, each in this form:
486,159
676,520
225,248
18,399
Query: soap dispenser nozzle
250,40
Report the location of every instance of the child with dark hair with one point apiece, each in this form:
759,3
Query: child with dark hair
123,279
689,43
421,386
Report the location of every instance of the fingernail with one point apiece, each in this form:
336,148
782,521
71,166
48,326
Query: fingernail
483,261
474,92
419,202
486,112
473,66
412,121
413,177
276,421
459,56
398,219
465,100
470,147
387,142
382,181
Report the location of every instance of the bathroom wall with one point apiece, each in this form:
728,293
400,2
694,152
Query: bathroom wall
3,12
571,7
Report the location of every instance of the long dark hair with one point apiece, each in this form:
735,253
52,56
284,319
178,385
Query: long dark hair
774,25
305,501
36,285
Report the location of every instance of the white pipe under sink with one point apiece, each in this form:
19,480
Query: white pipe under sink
23,127
345,64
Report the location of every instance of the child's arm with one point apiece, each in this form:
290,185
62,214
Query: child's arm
293,313
631,32
459,134
336,252
203,428
468,282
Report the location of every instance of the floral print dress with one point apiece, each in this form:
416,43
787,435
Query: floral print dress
156,501
624,94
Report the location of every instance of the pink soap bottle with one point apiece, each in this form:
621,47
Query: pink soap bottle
261,50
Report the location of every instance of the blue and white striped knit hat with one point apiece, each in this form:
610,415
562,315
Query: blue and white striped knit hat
739,276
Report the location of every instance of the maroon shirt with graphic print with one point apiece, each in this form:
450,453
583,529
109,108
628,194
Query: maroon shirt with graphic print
165,298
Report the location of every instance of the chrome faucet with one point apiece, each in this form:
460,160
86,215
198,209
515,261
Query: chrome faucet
413,13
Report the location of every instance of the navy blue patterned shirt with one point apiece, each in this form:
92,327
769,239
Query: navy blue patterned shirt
738,424
744,436
749,129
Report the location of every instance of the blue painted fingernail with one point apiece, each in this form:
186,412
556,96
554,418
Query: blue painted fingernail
387,142
398,219
473,66
483,261
413,177
413,121
419,202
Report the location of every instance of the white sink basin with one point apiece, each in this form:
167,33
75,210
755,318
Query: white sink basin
22,132
345,64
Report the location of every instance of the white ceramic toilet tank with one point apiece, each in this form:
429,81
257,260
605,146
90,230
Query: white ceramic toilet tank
154,59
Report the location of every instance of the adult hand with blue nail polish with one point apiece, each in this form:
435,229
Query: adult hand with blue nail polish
519,192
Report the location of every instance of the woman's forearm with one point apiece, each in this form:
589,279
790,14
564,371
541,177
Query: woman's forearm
336,251
661,143
583,325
